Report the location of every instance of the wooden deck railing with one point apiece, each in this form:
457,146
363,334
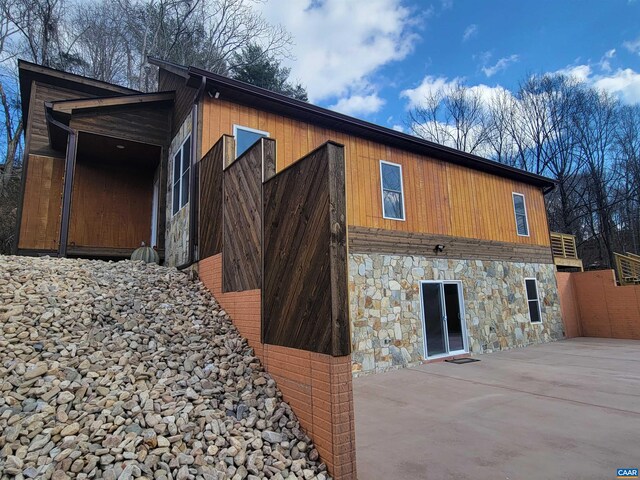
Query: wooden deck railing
565,253
628,268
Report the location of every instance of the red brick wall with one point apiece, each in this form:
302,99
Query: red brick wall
603,309
568,305
318,387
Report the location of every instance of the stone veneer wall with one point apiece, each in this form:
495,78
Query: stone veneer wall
385,303
177,226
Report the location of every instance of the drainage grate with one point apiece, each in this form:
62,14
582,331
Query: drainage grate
462,361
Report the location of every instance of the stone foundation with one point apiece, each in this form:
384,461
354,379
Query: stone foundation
386,311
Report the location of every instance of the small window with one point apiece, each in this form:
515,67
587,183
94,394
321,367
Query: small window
533,300
392,196
520,209
246,137
181,167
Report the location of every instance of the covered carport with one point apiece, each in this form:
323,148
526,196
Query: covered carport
568,409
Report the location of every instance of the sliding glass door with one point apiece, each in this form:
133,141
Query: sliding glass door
443,317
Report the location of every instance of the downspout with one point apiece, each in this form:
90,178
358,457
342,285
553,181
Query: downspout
69,171
193,176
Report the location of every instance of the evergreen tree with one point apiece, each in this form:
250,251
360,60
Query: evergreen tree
255,66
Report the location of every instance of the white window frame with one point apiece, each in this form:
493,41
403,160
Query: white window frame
179,181
526,293
237,127
404,212
515,214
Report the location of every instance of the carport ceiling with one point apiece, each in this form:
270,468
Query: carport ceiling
103,149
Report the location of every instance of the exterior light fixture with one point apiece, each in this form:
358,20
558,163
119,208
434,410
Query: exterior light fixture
438,248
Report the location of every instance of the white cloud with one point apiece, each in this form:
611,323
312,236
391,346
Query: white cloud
469,32
429,86
579,72
632,45
432,85
359,104
338,45
624,83
500,65
605,63
446,4
398,128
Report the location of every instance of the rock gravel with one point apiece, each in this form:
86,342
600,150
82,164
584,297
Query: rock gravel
123,370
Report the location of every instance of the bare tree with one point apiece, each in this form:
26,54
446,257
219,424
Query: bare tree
39,22
202,33
454,116
595,123
102,42
627,141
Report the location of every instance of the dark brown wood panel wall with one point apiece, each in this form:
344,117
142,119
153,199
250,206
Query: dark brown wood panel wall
304,297
168,81
148,124
242,221
39,135
210,203
393,242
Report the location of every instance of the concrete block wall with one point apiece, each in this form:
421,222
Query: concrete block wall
593,305
318,387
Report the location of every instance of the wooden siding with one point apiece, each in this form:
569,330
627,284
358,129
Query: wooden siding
42,204
111,206
37,128
148,124
304,298
375,240
440,197
167,82
210,202
242,221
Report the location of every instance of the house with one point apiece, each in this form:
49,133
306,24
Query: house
449,253
338,246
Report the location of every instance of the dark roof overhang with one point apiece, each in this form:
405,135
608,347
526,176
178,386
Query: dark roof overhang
30,72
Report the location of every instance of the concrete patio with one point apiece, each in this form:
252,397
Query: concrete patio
564,410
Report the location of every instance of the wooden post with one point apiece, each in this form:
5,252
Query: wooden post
69,170
340,325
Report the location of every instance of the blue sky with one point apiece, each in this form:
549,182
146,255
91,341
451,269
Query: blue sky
375,58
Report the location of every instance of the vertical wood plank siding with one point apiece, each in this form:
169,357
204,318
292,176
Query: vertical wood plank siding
440,197
210,204
305,280
40,224
242,221
110,206
39,135
168,81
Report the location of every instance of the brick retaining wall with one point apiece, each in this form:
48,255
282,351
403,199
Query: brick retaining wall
318,387
594,306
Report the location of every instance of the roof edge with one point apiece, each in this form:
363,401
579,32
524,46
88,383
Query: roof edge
409,141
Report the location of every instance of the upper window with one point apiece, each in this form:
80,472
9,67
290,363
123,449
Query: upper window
246,137
181,167
520,209
392,196
533,300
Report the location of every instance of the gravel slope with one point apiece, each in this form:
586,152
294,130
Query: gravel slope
126,370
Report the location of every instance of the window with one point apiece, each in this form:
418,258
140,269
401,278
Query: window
392,196
181,166
246,137
520,209
532,299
